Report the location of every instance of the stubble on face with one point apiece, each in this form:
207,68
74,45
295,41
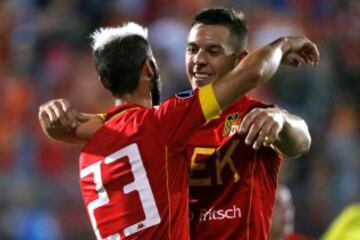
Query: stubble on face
209,55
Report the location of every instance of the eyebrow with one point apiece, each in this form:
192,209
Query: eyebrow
217,46
191,44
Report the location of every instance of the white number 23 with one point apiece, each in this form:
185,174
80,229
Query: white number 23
140,184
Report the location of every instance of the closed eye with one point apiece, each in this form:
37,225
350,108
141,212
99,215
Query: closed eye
215,50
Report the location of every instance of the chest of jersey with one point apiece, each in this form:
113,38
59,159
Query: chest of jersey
230,181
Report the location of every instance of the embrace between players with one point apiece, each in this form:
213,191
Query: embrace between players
203,164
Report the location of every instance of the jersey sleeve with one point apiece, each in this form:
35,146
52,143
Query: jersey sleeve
179,116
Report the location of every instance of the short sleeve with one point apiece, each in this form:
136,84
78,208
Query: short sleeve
178,117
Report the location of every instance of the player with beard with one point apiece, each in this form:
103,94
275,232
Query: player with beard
134,184
232,184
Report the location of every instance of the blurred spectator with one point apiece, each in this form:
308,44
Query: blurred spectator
283,215
282,225
343,153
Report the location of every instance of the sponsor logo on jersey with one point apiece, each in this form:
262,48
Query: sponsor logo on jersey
232,123
140,226
218,214
186,94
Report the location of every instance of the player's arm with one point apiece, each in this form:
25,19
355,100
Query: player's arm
275,127
261,64
59,121
294,138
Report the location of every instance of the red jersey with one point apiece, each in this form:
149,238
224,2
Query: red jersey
133,171
232,187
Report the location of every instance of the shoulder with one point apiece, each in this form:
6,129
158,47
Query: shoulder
185,94
177,100
245,104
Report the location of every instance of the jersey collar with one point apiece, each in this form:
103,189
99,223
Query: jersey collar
118,110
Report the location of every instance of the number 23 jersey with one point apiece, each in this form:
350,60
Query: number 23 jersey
133,171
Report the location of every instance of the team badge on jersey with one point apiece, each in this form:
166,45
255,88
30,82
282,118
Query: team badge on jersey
186,94
232,123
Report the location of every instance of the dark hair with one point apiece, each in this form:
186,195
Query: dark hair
229,18
119,63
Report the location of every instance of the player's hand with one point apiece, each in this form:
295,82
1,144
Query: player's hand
262,126
58,114
300,50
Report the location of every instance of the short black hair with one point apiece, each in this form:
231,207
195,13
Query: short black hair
227,17
119,63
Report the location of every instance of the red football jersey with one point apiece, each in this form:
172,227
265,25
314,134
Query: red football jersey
232,187
133,171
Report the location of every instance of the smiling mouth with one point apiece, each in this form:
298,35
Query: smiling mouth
201,75
201,79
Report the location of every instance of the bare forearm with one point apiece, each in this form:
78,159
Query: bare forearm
85,130
294,139
64,135
264,62
256,68
77,135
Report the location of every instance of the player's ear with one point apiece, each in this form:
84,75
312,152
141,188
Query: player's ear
240,56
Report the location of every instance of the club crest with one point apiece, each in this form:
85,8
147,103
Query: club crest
232,123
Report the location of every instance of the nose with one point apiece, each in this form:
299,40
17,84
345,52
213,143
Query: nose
200,58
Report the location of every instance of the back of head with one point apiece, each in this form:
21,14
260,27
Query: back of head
233,20
120,53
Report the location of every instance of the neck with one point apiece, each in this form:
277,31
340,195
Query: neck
134,99
141,95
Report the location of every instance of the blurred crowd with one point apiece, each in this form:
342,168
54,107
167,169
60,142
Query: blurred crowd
45,53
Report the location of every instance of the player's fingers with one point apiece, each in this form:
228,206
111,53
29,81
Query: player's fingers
61,118
311,53
72,116
248,120
263,133
65,105
258,142
273,134
255,130
44,119
51,114
303,56
291,61
41,113
315,54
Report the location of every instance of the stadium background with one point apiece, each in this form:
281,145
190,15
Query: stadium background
45,54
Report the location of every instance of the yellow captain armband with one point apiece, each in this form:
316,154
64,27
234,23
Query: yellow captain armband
102,116
208,102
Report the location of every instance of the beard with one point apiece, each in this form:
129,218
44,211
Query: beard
156,90
156,83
